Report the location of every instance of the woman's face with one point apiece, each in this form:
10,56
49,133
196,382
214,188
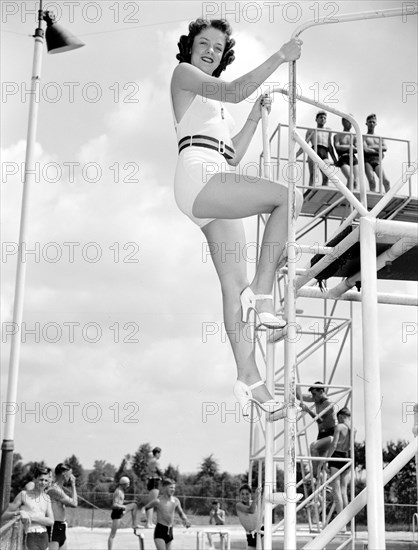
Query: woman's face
207,50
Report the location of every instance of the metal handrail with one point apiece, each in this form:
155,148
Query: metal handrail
359,16
408,173
410,170
311,153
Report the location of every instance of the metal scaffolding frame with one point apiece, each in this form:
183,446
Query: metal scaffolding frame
401,236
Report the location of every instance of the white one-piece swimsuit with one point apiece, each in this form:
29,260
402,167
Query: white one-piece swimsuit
196,165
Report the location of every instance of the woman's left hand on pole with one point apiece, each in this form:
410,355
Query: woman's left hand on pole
263,101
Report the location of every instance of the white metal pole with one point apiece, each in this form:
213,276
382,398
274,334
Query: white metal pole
13,373
415,432
372,391
291,337
355,296
405,11
23,234
397,229
260,510
269,488
353,423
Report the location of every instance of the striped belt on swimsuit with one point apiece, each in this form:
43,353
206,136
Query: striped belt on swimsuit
202,141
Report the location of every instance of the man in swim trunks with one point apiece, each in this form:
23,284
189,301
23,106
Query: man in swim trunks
247,512
372,160
60,500
346,145
326,422
340,448
322,144
165,506
154,478
118,508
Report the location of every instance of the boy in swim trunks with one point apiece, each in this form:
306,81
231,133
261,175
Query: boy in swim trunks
372,161
166,505
340,448
326,422
118,508
216,517
60,499
345,145
322,144
247,512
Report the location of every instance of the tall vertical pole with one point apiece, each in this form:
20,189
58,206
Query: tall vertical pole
13,374
353,422
269,487
415,432
372,391
269,460
291,335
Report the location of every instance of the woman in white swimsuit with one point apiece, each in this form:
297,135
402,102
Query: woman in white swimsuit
217,200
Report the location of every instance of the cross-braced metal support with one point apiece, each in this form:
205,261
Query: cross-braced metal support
399,238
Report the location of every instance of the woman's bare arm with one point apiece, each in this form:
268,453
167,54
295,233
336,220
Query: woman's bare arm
189,78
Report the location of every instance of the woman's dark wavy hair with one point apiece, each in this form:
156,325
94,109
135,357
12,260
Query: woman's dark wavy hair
196,27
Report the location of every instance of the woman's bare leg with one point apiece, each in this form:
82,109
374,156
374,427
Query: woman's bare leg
230,196
226,241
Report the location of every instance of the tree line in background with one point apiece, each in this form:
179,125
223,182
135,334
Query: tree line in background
96,486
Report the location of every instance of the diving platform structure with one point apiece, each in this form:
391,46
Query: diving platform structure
368,236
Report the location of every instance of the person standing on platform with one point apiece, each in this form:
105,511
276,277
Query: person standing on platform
372,160
322,145
346,147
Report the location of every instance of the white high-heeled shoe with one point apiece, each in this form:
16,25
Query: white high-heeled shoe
244,395
248,299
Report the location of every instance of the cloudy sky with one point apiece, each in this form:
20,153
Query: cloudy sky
122,341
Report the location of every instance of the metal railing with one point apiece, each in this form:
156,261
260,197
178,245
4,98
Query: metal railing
403,158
